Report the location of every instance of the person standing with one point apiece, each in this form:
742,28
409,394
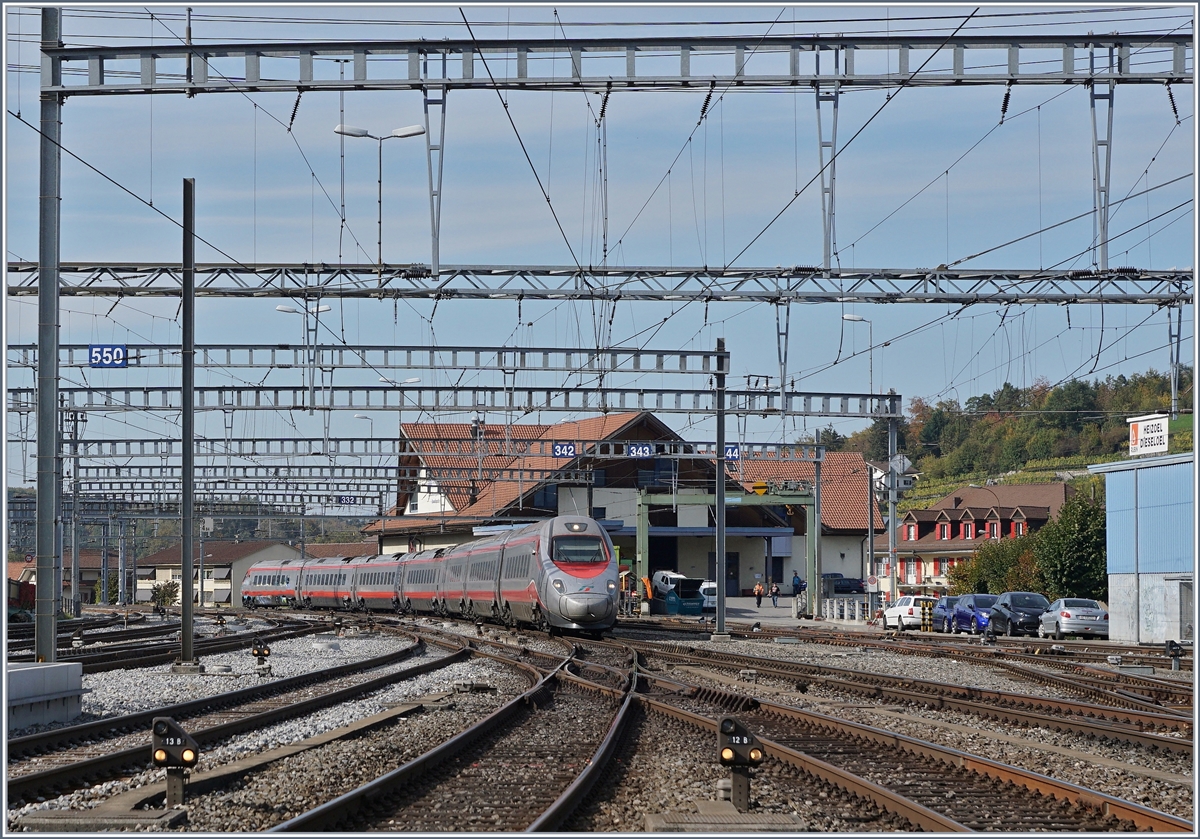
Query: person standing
758,593
795,583
775,595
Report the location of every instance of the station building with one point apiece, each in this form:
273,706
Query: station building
762,543
1151,538
225,564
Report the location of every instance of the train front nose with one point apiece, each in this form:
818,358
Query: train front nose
585,608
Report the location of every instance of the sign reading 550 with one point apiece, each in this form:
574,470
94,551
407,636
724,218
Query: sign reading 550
107,355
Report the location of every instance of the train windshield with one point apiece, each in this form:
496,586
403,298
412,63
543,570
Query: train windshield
579,549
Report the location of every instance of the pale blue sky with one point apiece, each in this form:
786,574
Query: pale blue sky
257,201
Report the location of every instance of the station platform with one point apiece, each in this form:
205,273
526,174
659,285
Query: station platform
741,610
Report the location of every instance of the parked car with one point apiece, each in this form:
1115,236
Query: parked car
848,585
708,590
971,613
1073,616
1018,612
942,610
905,613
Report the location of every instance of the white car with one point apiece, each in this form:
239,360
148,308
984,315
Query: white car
708,589
905,613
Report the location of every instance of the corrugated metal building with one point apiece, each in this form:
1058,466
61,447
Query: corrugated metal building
1151,523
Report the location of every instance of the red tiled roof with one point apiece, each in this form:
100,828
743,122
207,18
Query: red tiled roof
844,486
216,552
1051,495
493,497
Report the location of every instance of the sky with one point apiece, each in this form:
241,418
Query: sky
932,179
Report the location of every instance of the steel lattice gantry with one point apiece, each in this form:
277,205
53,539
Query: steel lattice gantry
598,64
796,284
519,400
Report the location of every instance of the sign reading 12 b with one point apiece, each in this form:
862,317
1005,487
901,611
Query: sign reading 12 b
107,355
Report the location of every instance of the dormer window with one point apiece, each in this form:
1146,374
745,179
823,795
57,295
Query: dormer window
968,530
994,529
1018,528
910,532
943,531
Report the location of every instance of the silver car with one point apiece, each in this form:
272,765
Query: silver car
1073,616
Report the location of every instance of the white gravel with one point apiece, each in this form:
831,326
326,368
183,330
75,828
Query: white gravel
114,693
292,731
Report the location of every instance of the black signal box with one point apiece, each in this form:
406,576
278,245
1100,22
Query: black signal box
172,746
736,746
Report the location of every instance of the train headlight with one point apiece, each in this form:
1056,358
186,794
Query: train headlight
576,526
558,586
611,586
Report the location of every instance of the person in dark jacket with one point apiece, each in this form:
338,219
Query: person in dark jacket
775,595
758,593
796,581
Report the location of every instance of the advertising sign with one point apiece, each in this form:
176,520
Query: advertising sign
1148,435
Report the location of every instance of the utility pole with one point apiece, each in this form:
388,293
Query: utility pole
187,657
77,420
891,525
122,579
722,365
45,620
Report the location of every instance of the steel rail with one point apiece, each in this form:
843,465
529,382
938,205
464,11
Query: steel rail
918,815
328,815
65,776
59,737
1020,708
1143,818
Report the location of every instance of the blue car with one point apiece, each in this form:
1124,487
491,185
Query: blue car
942,611
972,612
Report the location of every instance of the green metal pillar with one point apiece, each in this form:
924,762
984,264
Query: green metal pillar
643,549
810,540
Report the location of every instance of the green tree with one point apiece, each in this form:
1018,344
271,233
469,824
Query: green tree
165,593
113,589
999,565
1070,551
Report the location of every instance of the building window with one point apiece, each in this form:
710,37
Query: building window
968,530
943,531
910,533
1018,528
994,529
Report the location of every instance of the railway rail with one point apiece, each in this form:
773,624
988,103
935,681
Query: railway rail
523,768
946,789
103,749
1168,732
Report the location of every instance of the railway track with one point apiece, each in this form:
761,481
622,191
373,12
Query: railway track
67,758
525,767
1168,732
125,656
946,790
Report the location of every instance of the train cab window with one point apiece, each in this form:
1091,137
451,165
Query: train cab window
578,549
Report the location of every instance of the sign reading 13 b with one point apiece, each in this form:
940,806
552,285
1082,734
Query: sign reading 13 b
733,451
107,355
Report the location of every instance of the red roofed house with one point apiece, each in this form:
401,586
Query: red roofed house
225,565
930,542
442,508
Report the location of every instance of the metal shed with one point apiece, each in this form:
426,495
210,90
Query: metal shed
1151,524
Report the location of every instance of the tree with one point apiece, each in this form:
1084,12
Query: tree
165,594
1071,553
998,565
113,589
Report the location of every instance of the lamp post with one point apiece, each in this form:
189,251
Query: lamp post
995,497
870,349
310,344
406,131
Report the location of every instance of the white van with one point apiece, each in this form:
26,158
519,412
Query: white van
708,589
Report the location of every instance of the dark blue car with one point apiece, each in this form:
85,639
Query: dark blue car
972,612
942,610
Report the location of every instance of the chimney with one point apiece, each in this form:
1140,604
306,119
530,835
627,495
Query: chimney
957,501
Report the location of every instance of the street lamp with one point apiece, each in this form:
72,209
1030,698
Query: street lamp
368,419
870,349
402,447
310,344
406,131
990,492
